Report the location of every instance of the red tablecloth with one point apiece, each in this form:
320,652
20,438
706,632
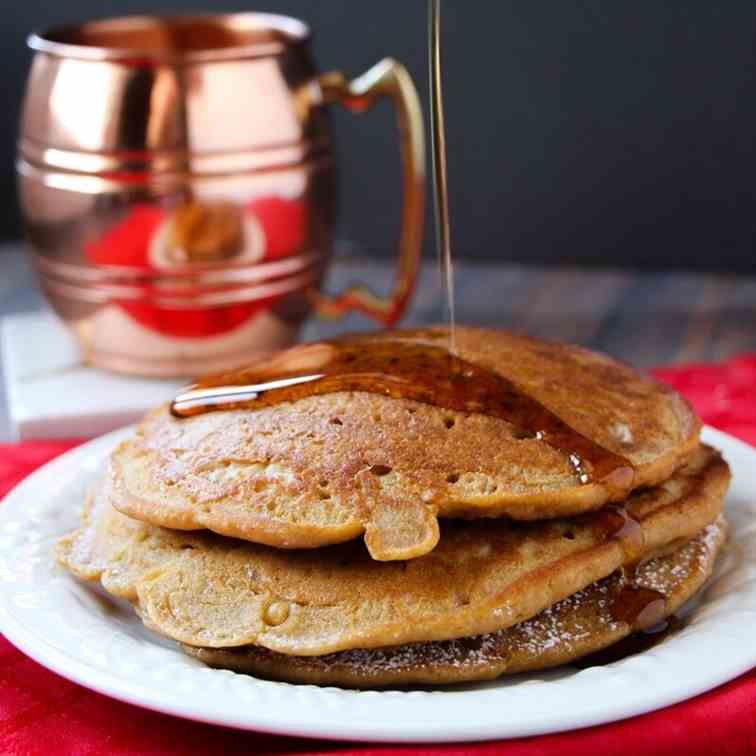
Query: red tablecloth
41,713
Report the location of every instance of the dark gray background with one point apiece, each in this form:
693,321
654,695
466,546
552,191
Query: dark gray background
600,132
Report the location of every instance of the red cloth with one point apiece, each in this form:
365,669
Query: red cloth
40,713
284,226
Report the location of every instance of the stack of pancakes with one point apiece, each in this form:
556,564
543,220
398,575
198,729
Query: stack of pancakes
365,539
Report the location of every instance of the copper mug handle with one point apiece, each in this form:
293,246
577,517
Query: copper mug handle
389,78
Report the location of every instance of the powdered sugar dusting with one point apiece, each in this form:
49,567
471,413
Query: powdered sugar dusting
711,535
548,630
666,576
557,630
557,627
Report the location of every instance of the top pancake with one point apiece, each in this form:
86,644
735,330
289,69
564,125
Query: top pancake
326,469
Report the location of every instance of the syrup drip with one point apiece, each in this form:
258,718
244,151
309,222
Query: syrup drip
634,643
579,468
421,372
639,607
615,523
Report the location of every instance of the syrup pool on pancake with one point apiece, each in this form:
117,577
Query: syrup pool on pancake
420,372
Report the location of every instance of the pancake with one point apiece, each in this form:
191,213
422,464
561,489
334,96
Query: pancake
579,625
484,576
326,469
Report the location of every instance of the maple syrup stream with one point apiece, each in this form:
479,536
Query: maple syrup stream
440,172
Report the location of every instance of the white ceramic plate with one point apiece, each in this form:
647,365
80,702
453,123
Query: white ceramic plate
85,636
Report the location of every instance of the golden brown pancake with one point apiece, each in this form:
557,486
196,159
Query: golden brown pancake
570,629
325,469
484,576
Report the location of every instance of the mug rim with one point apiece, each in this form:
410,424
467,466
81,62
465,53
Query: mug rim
282,32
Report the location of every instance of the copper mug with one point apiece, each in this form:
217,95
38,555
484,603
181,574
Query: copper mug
176,177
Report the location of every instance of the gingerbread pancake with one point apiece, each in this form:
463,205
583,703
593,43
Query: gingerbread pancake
510,427
484,576
584,623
